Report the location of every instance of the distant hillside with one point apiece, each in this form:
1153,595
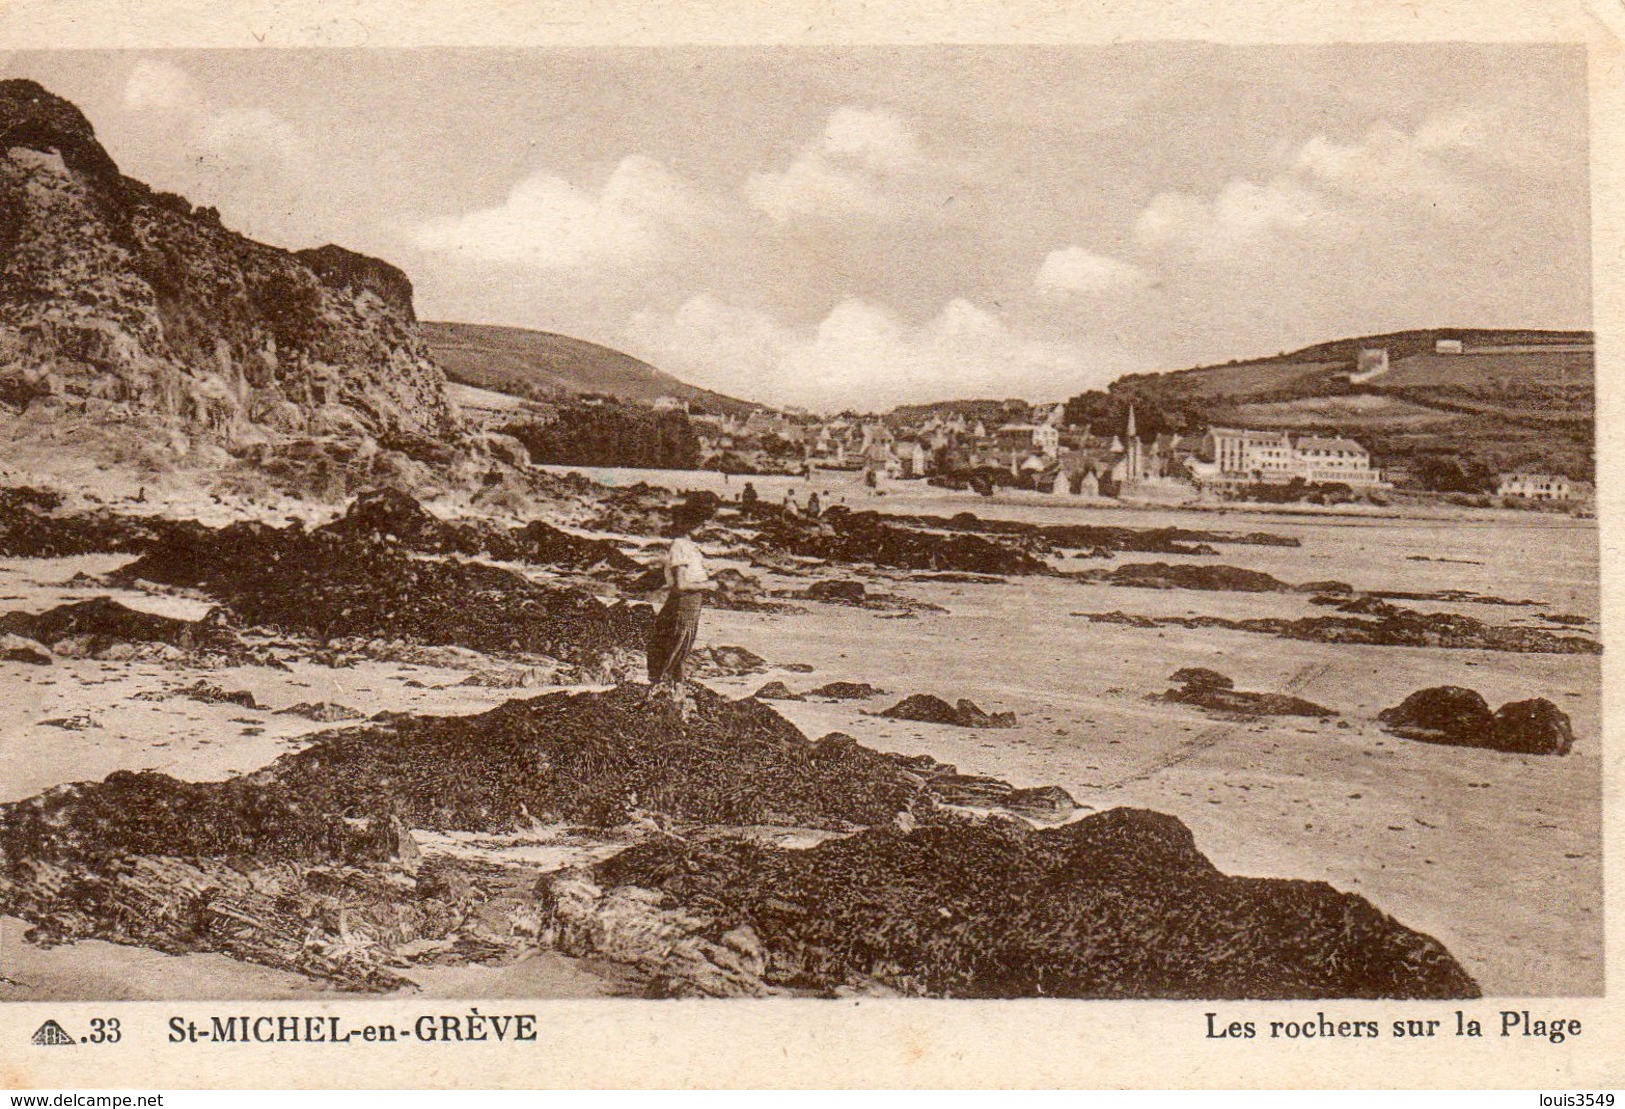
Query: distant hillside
541,364
1516,400
990,412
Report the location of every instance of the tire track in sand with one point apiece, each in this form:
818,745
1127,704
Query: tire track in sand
1209,738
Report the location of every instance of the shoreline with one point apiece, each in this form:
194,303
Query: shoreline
845,484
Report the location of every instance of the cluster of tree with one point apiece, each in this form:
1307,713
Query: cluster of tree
610,434
1453,474
1106,413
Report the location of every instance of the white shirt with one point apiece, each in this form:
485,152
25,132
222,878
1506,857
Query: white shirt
685,566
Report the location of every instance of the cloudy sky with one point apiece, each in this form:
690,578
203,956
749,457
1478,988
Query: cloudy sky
864,227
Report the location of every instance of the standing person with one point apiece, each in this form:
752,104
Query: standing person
790,505
747,499
687,582
814,507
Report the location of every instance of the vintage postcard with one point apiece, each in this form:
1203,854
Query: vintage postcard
710,546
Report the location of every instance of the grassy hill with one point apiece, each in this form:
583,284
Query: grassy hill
540,364
1516,400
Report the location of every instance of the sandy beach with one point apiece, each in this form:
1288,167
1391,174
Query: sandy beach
1469,846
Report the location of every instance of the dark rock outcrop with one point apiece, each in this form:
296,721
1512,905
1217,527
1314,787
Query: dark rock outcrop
1533,727
1119,904
726,661
868,537
323,712
102,627
595,758
1200,677
1369,620
928,708
393,516
838,591
206,693
34,525
344,584
113,293
1211,690
1164,575
1460,717
16,648
1445,713
846,691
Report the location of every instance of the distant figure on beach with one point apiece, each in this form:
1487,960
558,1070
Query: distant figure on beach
790,504
869,479
748,498
687,582
815,508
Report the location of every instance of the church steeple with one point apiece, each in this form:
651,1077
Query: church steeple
1134,463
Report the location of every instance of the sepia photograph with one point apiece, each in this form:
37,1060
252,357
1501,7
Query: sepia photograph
959,522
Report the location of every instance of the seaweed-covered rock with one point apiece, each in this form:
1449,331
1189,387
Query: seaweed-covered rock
777,691
841,535
206,692
392,516
1200,677
928,708
340,585
727,661
1163,575
1461,718
1212,690
837,591
1373,621
148,813
1442,714
1119,904
323,712
846,691
1533,727
16,648
102,627
32,525
596,758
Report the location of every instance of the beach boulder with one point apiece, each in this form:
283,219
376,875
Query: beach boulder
1442,714
1533,727
1201,678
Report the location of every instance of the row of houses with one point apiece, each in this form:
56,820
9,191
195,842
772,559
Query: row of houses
1040,445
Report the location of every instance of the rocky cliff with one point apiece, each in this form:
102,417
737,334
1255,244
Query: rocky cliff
114,296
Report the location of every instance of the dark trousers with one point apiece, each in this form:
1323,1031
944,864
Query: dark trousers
673,636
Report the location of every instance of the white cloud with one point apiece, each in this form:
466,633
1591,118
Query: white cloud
861,354
248,132
548,223
874,139
157,86
866,163
240,135
1242,214
1073,271
1388,162
1326,186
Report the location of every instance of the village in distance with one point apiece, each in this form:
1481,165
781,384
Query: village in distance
1430,405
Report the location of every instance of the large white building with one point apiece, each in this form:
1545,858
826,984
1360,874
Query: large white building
1536,487
1242,455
